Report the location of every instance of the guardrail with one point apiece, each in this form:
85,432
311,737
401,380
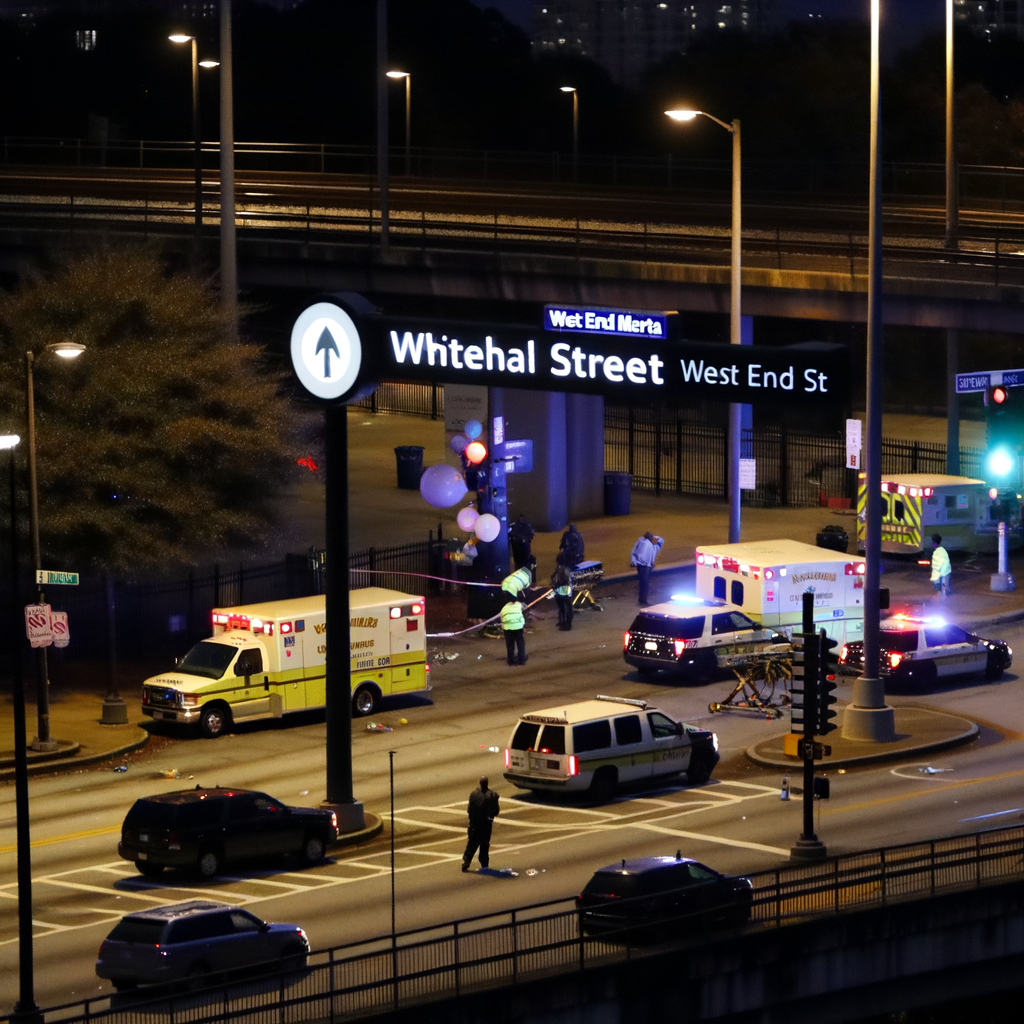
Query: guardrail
509,948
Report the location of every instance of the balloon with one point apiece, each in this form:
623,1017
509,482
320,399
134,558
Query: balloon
457,443
442,486
487,527
475,453
473,429
467,518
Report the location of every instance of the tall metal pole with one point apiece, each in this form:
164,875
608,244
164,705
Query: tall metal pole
382,120
952,403
575,135
735,331
26,984
228,241
952,171
115,709
394,934
42,739
868,717
198,141
408,125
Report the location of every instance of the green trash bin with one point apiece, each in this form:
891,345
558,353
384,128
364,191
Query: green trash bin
409,459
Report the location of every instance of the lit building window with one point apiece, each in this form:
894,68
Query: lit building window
85,39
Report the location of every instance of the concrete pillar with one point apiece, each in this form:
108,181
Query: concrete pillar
584,457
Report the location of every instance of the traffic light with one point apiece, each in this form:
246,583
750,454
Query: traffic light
826,688
802,688
1004,438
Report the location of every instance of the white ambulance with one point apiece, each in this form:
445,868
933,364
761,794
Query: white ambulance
767,579
266,660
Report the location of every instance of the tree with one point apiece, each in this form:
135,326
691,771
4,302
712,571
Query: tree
166,442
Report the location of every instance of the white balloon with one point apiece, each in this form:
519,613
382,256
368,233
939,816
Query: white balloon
467,518
487,527
442,486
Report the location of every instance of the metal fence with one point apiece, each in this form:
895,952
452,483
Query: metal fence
408,399
448,960
668,453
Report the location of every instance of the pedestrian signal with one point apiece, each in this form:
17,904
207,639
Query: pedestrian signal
826,689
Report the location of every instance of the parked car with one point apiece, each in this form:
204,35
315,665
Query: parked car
194,940
206,829
922,650
659,897
597,745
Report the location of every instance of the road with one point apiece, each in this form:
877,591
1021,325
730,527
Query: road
547,849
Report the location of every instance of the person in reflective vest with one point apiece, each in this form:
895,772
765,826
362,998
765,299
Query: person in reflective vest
941,569
516,583
561,582
513,623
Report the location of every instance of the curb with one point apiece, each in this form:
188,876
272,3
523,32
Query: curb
64,761
374,828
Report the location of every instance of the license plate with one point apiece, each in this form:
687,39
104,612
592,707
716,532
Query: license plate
650,645
161,714
143,837
140,854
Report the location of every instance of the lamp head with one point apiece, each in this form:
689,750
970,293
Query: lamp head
66,349
398,74
209,63
180,37
8,440
682,115
567,88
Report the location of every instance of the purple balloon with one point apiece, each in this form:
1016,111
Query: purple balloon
442,486
458,443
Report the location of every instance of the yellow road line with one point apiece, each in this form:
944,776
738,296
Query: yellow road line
66,838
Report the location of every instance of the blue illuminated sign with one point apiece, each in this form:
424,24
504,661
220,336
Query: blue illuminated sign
587,320
966,383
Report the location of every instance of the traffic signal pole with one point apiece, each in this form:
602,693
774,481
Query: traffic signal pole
808,846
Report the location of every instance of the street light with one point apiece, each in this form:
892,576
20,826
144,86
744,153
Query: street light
66,350
575,128
735,330
408,116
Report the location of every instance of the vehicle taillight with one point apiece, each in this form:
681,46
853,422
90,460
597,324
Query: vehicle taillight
627,636
173,841
680,646
844,653
574,766
508,758
334,821
894,659
417,609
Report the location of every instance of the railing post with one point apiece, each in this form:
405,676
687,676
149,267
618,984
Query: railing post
932,865
835,884
778,898
433,401
630,457
679,455
657,452
515,950
455,933
330,967
881,854
977,859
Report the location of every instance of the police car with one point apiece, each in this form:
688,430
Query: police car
688,636
921,650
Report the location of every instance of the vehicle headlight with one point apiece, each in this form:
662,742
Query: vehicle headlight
189,699
714,741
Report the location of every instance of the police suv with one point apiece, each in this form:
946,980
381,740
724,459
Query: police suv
694,637
921,650
597,745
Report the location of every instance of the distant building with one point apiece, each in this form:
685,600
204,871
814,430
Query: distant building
193,10
992,17
628,36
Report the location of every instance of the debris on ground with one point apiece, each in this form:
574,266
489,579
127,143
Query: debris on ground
169,773
444,656
121,768
378,727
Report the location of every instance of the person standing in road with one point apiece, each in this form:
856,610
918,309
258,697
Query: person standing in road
642,558
520,536
482,810
561,583
941,569
571,547
513,624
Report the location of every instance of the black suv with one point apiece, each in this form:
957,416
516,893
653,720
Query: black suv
661,897
205,829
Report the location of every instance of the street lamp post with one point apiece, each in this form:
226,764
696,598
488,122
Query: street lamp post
735,307
575,129
408,117
952,177
26,1004
228,242
67,350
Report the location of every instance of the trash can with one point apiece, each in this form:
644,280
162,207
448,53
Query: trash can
617,489
409,458
834,537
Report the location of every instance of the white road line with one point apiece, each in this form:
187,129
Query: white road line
719,840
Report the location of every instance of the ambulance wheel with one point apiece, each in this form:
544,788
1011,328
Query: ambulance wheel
214,721
365,700
995,667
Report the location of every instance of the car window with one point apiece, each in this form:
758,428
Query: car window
194,929
667,879
609,883
699,873
689,628
902,640
242,807
627,730
137,929
948,634
730,622
249,662
268,805
199,814
552,740
736,592
207,659
719,588
661,725
525,737
243,922
591,736
149,812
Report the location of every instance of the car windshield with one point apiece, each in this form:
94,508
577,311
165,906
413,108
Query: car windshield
137,929
690,628
207,659
902,640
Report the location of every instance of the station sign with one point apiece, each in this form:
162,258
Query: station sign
592,320
624,369
969,383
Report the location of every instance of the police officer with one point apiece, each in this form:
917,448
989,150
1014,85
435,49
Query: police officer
520,537
482,810
561,583
513,624
516,583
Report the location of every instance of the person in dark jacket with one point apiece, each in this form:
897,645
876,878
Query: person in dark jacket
571,547
561,583
520,537
482,810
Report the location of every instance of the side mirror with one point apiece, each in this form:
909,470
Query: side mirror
264,927
240,669
679,728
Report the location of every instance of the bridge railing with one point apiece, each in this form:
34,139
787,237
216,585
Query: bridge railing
543,939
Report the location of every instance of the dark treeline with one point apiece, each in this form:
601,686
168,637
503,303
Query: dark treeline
308,75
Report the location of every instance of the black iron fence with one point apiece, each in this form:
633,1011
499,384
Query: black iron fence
497,950
407,399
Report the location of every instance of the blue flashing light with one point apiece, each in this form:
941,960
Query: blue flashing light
687,599
1000,462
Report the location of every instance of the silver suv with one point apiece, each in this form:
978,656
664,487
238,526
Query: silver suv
192,940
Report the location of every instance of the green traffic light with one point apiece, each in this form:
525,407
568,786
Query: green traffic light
1000,462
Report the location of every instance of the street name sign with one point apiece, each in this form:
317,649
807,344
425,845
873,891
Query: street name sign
969,383
47,577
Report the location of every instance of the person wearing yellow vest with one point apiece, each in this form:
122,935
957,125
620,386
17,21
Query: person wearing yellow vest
941,569
516,583
513,623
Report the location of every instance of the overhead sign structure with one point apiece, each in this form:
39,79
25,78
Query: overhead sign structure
969,383
47,577
634,368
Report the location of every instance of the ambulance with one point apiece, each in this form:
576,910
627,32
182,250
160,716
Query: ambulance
958,508
766,580
268,660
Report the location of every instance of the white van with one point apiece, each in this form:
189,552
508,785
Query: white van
767,580
598,745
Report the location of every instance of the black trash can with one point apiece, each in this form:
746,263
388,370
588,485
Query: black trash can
410,466
834,537
617,489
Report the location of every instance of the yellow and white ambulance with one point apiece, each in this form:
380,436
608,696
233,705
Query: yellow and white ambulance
767,579
958,508
267,660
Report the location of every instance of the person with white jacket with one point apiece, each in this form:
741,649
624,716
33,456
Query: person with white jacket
642,558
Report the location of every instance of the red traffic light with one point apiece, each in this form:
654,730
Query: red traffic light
999,395
475,453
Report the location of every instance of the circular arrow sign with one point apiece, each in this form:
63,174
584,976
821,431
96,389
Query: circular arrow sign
326,350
